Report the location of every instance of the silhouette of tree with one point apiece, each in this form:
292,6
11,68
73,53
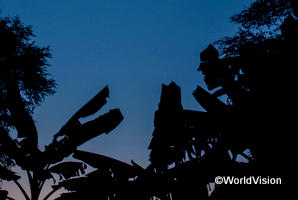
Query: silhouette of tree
24,83
263,14
40,165
23,66
260,21
253,70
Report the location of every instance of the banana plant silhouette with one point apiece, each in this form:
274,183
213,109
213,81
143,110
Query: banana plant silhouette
41,165
110,180
113,180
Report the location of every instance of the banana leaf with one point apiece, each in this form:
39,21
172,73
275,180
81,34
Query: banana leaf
92,179
103,162
198,123
137,167
7,145
22,120
8,175
68,196
194,118
4,195
73,184
103,124
70,128
88,109
11,149
93,105
209,102
209,54
58,150
68,169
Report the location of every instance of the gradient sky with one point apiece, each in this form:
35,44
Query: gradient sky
133,46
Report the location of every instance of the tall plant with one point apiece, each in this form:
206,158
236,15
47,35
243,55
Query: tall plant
24,82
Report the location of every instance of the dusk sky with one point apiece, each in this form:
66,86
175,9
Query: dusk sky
133,46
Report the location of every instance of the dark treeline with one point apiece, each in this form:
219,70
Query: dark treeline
246,128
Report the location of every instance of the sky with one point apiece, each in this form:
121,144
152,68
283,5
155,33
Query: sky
133,46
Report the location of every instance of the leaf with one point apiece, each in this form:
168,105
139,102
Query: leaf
73,184
199,124
68,196
7,145
103,124
294,5
3,194
93,105
88,109
209,102
194,118
103,162
8,175
22,120
10,148
68,169
70,128
92,179
141,169
57,150
209,54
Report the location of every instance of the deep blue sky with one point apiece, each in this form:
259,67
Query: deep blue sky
133,46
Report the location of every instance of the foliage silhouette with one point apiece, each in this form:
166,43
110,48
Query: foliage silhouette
252,70
24,84
23,67
40,165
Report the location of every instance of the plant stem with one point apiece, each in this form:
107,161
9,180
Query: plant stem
22,190
52,192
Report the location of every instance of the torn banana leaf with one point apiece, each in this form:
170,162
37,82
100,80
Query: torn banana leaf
57,150
7,174
93,105
209,102
68,169
103,124
88,109
22,120
103,162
